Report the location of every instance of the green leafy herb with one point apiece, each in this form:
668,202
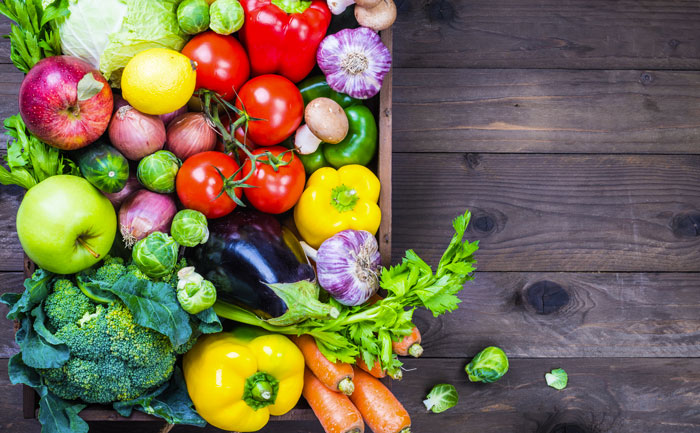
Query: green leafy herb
442,397
35,35
30,160
368,330
557,379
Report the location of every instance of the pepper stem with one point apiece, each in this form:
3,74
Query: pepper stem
292,6
343,198
260,390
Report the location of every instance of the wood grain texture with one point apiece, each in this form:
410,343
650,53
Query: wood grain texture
636,213
580,34
550,111
622,395
9,282
384,157
601,315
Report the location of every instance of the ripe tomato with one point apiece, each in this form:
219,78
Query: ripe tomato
198,183
222,63
275,191
276,100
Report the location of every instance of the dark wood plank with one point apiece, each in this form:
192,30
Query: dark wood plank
11,253
541,315
559,111
622,395
577,34
604,395
553,212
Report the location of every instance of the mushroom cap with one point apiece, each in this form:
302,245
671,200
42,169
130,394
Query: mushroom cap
367,3
327,120
378,18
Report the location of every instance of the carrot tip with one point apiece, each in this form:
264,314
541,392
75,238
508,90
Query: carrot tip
396,375
416,350
346,386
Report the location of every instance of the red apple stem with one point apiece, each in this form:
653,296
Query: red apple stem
87,247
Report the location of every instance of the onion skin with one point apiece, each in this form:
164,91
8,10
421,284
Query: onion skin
136,134
189,134
143,213
169,117
132,185
347,265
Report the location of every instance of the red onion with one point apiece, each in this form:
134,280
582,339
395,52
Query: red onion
136,134
143,213
189,134
132,185
166,118
347,266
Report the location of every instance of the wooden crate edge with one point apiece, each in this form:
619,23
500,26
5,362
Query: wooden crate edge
385,157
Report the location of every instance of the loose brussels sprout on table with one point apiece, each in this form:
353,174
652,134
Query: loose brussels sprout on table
226,16
443,396
158,170
189,228
155,255
488,366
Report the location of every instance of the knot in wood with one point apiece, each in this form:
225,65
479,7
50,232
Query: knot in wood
484,223
546,297
646,78
473,160
440,10
674,43
686,225
568,428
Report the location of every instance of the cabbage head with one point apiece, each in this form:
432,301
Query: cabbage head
108,33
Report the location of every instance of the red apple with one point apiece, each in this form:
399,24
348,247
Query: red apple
65,102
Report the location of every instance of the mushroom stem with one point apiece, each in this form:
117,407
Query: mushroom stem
305,141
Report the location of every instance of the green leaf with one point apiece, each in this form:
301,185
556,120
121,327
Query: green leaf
56,9
208,322
19,372
37,351
155,306
443,396
60,416
557,379
88,87
36,289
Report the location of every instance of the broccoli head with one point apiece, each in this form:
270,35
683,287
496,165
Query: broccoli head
112,357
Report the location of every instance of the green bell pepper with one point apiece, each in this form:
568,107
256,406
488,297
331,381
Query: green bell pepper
358,147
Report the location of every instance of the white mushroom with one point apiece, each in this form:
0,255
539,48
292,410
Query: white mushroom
337,7
379,17
305,142
327,120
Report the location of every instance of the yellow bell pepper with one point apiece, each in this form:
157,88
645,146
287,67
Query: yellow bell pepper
237,379
337,200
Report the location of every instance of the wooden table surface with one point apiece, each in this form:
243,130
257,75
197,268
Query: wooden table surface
571,129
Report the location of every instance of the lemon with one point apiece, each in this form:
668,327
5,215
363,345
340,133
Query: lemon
158,81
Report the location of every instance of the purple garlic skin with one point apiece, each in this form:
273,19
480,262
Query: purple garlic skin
348,266
354,62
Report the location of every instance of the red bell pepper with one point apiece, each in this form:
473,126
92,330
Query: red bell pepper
282,36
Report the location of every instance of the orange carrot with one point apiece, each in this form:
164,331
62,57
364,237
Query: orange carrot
382,412
376,369
334,410
410,345
336,376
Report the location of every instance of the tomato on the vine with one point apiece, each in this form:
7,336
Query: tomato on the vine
222,63
275,100
199,185
277,181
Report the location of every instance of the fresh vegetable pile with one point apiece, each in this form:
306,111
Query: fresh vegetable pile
170,165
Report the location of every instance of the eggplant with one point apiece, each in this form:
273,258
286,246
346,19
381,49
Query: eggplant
256,262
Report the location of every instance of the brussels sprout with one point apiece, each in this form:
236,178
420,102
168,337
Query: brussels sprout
193,16
226,16
194,293
557,379
189,228
442,397
155,255
157,171
488,366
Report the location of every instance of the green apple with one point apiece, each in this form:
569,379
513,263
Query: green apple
65,224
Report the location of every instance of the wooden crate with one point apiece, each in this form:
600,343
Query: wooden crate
30,403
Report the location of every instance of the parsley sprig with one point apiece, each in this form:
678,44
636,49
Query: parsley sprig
35,35
368,330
